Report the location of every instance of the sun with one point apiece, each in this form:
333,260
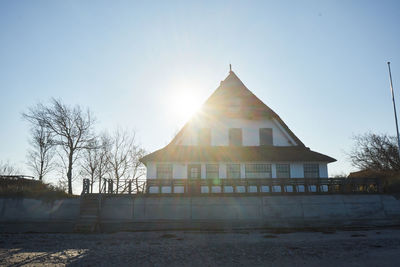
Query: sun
185,103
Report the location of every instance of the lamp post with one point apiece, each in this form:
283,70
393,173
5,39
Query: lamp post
394,109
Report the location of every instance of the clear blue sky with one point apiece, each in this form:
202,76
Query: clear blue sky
321,65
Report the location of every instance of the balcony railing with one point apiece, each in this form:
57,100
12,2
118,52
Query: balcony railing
264,186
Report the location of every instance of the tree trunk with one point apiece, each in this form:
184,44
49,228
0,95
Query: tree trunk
91,183
69,173
100,184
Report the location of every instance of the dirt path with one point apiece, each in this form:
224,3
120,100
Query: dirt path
194,248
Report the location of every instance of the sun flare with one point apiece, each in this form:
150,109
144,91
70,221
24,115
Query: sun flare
185,104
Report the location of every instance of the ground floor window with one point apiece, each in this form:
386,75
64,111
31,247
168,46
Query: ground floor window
258,170
164,171
233,170
212,171
311,170
194,171
282,170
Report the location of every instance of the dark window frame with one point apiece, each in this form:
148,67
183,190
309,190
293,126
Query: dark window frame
235,137
209,172
311,170
164,169
230,171
189,171
257,170
266,136
279,174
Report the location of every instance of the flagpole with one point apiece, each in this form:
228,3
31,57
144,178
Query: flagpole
394,109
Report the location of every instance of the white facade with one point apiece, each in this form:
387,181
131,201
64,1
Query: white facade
220,132
179,169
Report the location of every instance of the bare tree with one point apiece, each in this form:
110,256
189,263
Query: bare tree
138,171
94,162
90,162
41,154
103,166
119,156
375,152
126,168
6,168
71,127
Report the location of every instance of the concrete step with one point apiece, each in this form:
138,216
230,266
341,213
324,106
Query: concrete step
90,196
86,227
86,203
89,207
91,211
88,217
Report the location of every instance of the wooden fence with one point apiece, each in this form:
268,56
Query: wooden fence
264,186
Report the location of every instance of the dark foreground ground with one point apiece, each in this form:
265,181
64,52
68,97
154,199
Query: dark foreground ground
378,247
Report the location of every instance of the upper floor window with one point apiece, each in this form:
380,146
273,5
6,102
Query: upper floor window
204,137
258,170
311,171
164,171
235,137
233,170
212,171
266,137
282,171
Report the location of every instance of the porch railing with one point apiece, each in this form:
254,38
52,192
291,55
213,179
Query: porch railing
264,186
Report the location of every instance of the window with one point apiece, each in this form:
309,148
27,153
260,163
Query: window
235,137
266,137
282,170
233,170
164,171
194,171
204,137
258,171
311,171
212,171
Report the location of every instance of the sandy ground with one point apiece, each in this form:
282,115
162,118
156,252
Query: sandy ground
379,247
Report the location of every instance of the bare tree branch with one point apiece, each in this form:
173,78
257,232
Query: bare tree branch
94,162
70,126
375,152
6,168
125,167
40,155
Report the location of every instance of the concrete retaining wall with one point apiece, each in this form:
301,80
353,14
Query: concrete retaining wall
146,213
32,215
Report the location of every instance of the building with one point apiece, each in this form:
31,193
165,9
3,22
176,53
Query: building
234,137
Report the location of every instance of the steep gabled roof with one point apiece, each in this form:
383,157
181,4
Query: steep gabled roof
250,107
217,106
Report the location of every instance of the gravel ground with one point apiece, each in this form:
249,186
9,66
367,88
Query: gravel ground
379,247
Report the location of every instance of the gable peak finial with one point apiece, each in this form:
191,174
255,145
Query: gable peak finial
230,67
